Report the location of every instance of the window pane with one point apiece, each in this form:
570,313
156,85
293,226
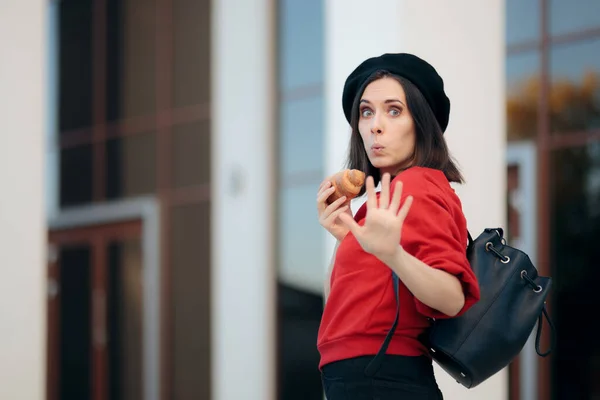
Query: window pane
301,274
191,52
571,16
190,280
575,80
301,43
513,186
574,259
124,304
75,64
298,358
300,247
75,334
131,165
191,154
301,136
131,55
522,95
522,21
76,176
301,238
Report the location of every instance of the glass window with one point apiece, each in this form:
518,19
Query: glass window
301,43
76,176
574,257
300,303
125,330
301,136
131,165
522,95
298,361
301,239
190,280
191,52
522,21
74,328
130,58
191,154
575,86
75,64
572,16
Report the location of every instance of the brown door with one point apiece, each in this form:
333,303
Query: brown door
95,313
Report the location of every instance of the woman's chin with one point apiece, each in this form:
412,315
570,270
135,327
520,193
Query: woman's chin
384,167
381,164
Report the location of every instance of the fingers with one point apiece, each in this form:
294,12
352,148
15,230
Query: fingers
325,190
326,210
396,199
335,205
324,194
336,213
405,209
371,196
384,195
395,204
350,223
325,184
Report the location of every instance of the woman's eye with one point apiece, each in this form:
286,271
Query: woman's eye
394,112
365,113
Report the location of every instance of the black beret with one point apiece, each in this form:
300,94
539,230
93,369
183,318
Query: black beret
408,66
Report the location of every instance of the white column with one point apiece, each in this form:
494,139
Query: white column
354,31
243,200
22,219
464,41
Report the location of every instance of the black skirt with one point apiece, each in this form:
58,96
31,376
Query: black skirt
400,377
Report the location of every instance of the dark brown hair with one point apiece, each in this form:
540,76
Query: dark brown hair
431,150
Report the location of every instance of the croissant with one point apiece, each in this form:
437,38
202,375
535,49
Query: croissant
347,183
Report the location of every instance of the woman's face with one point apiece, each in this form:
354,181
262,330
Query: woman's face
386,126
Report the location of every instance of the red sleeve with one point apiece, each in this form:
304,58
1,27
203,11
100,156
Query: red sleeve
435,232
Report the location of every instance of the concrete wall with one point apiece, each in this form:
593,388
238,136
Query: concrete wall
22,218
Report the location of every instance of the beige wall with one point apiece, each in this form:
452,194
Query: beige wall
243,200
465,42
22,219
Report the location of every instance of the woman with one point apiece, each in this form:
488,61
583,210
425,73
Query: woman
414,226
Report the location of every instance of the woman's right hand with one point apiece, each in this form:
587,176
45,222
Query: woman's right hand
328,213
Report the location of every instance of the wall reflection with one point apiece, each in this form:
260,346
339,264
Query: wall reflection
300,237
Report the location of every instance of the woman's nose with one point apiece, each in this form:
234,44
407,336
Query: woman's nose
376,127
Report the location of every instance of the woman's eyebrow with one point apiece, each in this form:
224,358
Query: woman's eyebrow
386,102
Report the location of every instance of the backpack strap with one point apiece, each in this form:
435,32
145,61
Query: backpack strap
539,333
375,364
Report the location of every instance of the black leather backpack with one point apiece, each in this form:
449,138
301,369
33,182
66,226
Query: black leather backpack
488,336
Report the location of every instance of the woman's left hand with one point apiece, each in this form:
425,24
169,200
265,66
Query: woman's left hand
381,233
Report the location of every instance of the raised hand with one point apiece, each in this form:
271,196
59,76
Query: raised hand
328,214
381,233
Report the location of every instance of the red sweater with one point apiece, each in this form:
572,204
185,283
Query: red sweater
361,306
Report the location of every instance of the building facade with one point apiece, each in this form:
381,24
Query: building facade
169,152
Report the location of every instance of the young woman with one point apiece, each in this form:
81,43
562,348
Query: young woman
414,226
